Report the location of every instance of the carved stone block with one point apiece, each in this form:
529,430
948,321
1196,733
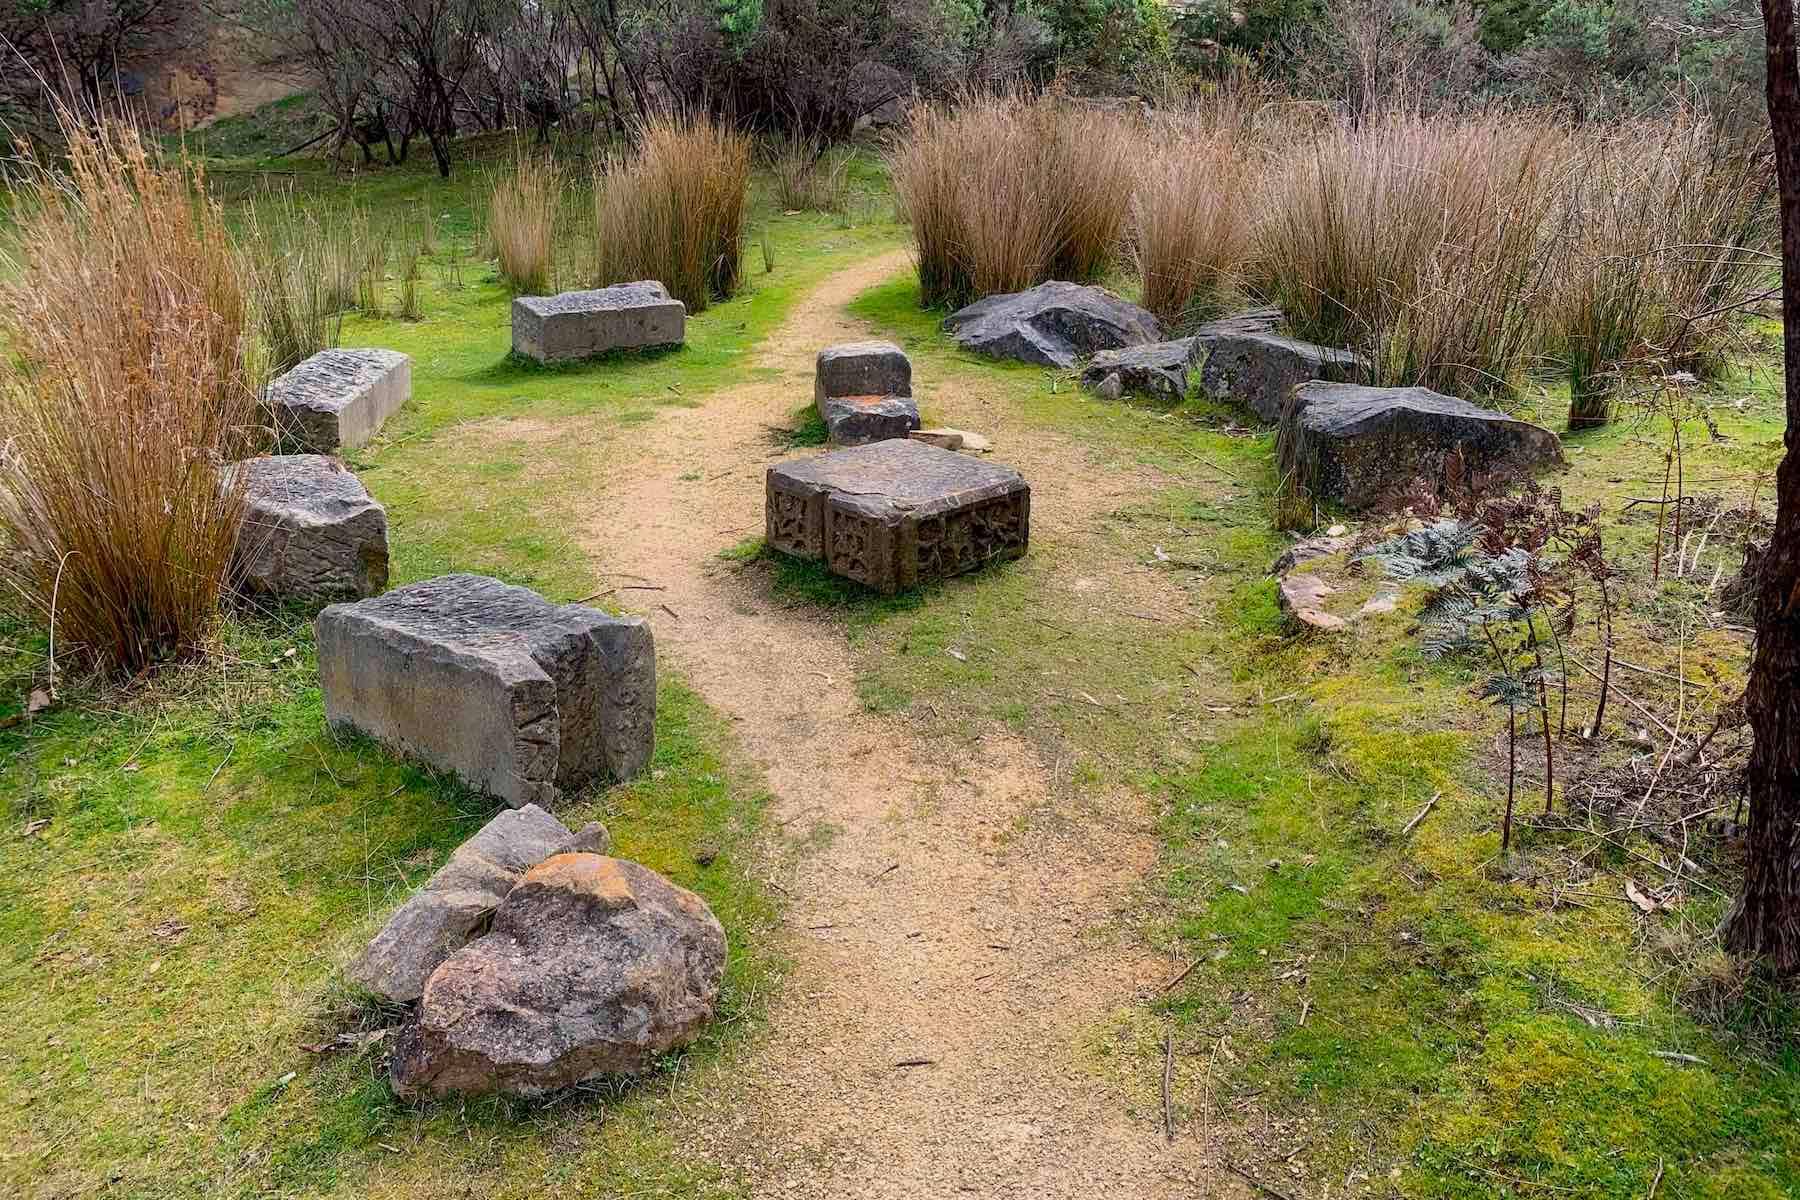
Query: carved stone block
895,514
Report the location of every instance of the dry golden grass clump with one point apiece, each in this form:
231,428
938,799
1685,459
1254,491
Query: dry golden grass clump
671,208
126,386
807,176
1192,228
522,209
1005,192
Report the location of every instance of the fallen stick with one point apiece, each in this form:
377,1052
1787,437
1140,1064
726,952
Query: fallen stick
1421,815
1254,1182
1168,1085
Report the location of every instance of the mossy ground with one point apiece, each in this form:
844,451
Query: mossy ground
184,864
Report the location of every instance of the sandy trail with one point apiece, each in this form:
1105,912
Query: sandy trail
944,923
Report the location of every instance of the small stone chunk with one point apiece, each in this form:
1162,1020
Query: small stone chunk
310,530
945,438
337,399
897,513
1054,324
576,325
1159,370
864,393
442,916
593,966
523,699
1303,598
1357,444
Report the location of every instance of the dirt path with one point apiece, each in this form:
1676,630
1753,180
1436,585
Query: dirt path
943,923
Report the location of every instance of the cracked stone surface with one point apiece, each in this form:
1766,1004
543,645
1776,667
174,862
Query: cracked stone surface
521,698
577,325
310,530
338,398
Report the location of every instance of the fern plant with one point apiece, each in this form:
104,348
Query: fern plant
1486,604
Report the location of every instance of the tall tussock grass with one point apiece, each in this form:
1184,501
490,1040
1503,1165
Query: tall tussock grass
1665,237
671,208
124,389
1418,241
522,209
807,176
1192,234
1005,192
297,280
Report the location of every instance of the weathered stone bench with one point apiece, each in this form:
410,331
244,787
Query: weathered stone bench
337,399
898,513
310,530
521,698
863,391
576,325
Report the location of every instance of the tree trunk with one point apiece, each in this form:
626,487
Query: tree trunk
1765,921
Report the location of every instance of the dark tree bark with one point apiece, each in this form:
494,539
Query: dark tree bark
1765,921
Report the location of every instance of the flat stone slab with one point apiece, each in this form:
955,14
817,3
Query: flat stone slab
337,399
1260,370
576,325
455,904
310,530
1054,324
899,513
1356,444
521,698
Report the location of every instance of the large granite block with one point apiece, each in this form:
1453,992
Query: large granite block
455,904
310,530
1357,445
337,399
894,514
523,699
575,325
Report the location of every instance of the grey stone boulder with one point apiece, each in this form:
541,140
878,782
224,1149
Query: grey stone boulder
577,325
1260,369
521,698
1356,444
337,399
310,530
592,966
1054,324
863,391
1159,369
455,904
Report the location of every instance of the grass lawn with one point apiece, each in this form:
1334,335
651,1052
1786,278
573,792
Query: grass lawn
185,865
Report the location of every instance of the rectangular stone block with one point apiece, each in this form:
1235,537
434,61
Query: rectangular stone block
895,514
310,530
576,325
521,698
337,399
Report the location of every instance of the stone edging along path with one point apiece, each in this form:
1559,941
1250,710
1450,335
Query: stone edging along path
949,954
